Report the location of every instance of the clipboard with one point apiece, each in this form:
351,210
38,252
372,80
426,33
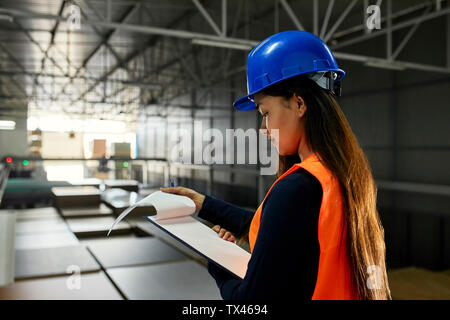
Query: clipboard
174,215
204,241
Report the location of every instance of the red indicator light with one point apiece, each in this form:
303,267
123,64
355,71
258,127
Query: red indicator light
9,159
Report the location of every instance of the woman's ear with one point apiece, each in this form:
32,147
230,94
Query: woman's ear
300,104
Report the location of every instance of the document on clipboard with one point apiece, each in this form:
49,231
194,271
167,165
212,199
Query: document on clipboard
174,216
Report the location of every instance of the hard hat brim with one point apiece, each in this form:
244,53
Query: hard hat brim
245,103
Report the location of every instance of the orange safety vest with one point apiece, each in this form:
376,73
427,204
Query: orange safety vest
333,277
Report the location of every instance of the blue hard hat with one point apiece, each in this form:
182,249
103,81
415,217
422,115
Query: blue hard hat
285,55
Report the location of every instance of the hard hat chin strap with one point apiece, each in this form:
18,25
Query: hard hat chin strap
327,81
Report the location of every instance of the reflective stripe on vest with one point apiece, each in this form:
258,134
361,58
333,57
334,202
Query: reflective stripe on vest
334,276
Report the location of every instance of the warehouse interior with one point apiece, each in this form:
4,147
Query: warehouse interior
91,92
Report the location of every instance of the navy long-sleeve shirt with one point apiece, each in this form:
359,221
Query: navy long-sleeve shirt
285,257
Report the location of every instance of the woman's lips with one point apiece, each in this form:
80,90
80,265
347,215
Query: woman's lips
269,137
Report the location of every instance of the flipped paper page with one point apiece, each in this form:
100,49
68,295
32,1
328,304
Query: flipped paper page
167,206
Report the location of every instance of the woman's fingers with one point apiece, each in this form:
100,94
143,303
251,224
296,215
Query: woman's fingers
229,237
224,234
176,190
192,194
182,191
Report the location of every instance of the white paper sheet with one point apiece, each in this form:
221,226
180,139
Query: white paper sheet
167,206
204,240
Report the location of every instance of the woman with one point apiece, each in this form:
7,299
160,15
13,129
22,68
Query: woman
317,234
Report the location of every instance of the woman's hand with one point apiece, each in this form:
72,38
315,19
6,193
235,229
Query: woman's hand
224,234
182,191
198,199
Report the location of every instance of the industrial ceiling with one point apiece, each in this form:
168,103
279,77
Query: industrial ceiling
113,59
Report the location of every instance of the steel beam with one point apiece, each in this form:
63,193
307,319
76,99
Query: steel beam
57,76
448,41
104,41
389,30
224,18
405,64
397,26
28,35
133,55
395,15
208,18
21,67
46,16
327,18
291,14
53,33
409,35
316,17
340,20
233,32
276,16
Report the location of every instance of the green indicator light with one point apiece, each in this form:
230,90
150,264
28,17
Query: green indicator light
125,164
26,162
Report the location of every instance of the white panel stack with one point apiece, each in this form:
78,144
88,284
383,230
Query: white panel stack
7,234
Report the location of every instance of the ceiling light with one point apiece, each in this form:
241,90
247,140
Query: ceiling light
222,44
7,125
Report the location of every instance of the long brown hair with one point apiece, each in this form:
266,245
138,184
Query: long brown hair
330,137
